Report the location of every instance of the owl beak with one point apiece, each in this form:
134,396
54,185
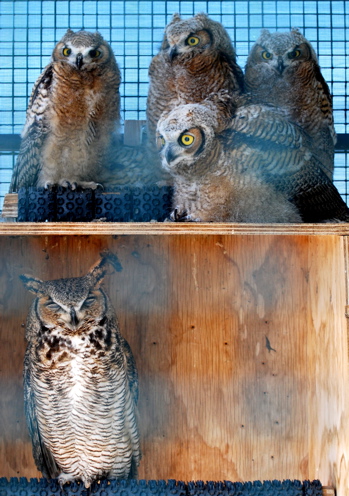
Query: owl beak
280,66
173,53
79,60
169,155
73,317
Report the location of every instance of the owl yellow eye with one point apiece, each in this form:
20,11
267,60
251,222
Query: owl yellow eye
193,40
267,55
95,53
294,54
186,139
66,52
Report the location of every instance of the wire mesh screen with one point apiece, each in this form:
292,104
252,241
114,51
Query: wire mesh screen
30,29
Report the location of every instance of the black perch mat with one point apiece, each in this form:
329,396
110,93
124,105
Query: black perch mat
118,204
43,487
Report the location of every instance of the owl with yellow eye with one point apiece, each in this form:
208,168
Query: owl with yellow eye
282,70
196,64
217,176
73,116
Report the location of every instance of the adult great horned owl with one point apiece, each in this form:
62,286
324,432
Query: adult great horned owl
282,70
216,176
80,382
73,113
196,63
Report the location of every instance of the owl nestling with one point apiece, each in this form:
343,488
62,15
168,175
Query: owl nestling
196,62
216,175
264,141
80,382
282,69
72,116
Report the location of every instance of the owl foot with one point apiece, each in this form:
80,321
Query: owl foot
64,478
66,184
182,216
48,185
63,182
89,184
79,184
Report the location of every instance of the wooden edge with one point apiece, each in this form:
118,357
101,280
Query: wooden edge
10,206
10,227
328,491
346,270
166,228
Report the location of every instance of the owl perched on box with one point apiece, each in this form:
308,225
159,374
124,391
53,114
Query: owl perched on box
73,114
282,70
260,169
215,175
196,63
80,382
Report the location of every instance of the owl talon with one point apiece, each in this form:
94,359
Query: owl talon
67,184
49,185
64,478
178,216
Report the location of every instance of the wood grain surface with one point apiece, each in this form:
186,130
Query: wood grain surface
240,342
167,228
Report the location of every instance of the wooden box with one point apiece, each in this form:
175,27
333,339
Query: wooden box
239,334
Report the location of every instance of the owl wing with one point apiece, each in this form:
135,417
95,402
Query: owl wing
131,370
123,350
280,152
28,162
162,91
314,194
323,148
42,456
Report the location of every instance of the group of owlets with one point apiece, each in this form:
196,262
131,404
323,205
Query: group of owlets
253,146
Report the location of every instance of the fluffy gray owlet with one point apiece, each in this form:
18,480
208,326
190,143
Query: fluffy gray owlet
281,154
216,175
80,382
282,70
196,63
72,117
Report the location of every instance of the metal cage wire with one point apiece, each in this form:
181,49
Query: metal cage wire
30,29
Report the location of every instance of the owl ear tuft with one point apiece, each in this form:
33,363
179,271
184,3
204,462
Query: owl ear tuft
99,270
176,17
202,16
31,283
108,256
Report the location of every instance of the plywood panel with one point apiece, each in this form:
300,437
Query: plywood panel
240,342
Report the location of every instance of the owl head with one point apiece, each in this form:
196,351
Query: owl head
73,302
83,50
185,137
280,52
186,38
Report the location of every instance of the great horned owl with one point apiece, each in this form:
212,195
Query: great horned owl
216,176
282,70
72,116
80,382
281,153
196,63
